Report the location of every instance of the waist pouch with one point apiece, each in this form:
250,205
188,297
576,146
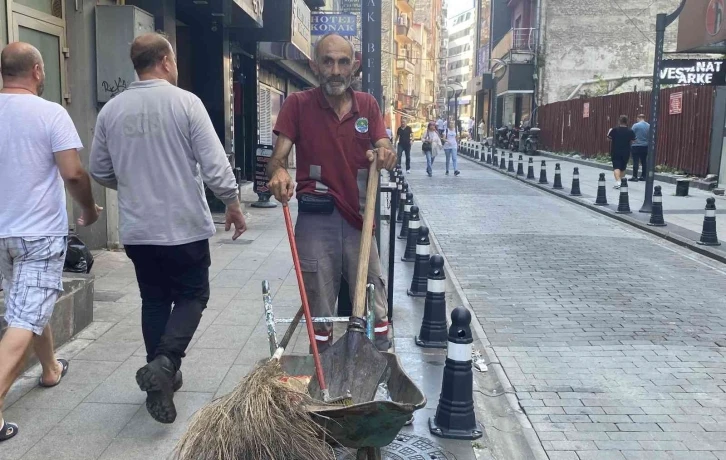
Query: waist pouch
315,204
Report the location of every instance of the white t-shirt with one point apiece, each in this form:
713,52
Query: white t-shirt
32,197
440,124
450,138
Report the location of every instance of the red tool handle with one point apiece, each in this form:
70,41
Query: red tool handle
304,297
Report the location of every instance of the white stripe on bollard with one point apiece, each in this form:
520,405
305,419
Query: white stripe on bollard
407,208
710,213
436,286
575,176
460,352
423,249
414,224
623,190
657,199
601,182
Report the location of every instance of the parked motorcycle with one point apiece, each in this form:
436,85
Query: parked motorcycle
503,137
514,138
532,141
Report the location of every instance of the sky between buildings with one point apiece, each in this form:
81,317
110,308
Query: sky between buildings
459,6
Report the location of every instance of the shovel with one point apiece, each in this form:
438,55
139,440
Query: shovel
352,366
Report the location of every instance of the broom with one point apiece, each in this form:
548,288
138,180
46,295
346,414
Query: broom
263,418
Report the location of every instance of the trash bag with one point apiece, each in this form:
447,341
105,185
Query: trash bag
78,257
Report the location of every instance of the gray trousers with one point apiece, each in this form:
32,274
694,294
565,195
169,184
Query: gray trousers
328,246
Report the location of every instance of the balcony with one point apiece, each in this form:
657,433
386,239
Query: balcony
406,101
406,6
516,41
406,66
403,26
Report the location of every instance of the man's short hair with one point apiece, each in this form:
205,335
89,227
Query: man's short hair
623,119
325,37
148,50
19,63
641,116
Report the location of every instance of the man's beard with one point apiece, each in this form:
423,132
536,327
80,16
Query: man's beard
41,88
337,90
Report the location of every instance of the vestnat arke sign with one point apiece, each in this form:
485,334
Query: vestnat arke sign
693,72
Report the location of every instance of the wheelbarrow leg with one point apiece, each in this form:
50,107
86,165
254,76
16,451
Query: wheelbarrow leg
369,453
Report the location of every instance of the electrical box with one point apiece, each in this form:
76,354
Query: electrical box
116,29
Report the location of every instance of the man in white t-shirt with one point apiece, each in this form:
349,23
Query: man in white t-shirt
38,154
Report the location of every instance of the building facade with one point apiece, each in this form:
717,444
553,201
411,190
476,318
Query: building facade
460,63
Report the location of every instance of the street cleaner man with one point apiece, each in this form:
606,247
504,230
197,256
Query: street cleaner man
334,130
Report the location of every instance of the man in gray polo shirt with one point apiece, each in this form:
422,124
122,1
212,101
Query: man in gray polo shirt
639,149
156,145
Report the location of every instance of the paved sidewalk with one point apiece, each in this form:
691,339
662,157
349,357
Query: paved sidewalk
613,339
98,412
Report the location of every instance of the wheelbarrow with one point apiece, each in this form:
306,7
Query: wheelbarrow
367,426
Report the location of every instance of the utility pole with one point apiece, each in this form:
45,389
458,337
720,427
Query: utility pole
661,23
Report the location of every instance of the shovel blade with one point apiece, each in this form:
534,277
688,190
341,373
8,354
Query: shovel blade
352,367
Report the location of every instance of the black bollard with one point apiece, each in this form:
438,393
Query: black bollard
495,159
530,170
709,237
602,198
576,183
402,188
510,166
433,327
543,173
503,162
406,216
558,178
656,215
414,223
421,269
455,418
489,157
520,167
624,201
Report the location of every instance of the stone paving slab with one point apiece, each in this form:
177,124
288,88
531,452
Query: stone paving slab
612,339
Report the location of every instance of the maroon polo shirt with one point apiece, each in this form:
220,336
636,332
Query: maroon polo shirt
331,152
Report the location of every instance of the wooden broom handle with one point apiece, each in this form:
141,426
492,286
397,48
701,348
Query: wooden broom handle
364,255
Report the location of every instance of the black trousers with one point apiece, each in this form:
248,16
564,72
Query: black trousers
404,148
167,275
640,155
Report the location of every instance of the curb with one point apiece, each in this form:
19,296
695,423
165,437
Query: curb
530,435
699,184
666,235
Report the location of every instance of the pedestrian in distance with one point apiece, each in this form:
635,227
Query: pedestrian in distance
337,133
404,133
451,146
156,145
621,139
441,125
482,130
640,147
389,133
431,146
38,155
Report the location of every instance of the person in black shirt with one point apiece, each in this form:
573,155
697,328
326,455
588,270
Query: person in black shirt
620,140
403,137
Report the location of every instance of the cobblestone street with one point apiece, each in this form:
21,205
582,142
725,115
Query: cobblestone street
611,338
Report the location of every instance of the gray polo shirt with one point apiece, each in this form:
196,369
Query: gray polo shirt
156,145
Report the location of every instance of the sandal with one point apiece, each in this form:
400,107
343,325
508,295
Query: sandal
63,363
7,431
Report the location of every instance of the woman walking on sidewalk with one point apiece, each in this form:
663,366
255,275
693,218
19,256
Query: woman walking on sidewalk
431,146
451,138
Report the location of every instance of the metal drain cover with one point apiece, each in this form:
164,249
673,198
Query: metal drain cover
405,447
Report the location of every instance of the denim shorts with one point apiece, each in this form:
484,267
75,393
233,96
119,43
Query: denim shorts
31,268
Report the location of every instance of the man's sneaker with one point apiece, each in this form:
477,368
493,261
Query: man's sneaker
642,179
157,380
178,381
456,173
447,173
633,179
408,171
616,186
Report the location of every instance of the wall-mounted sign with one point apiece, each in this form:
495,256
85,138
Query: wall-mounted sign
586,110
263,153
675,104
701,26
350,6
342,24
300,36
693,72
